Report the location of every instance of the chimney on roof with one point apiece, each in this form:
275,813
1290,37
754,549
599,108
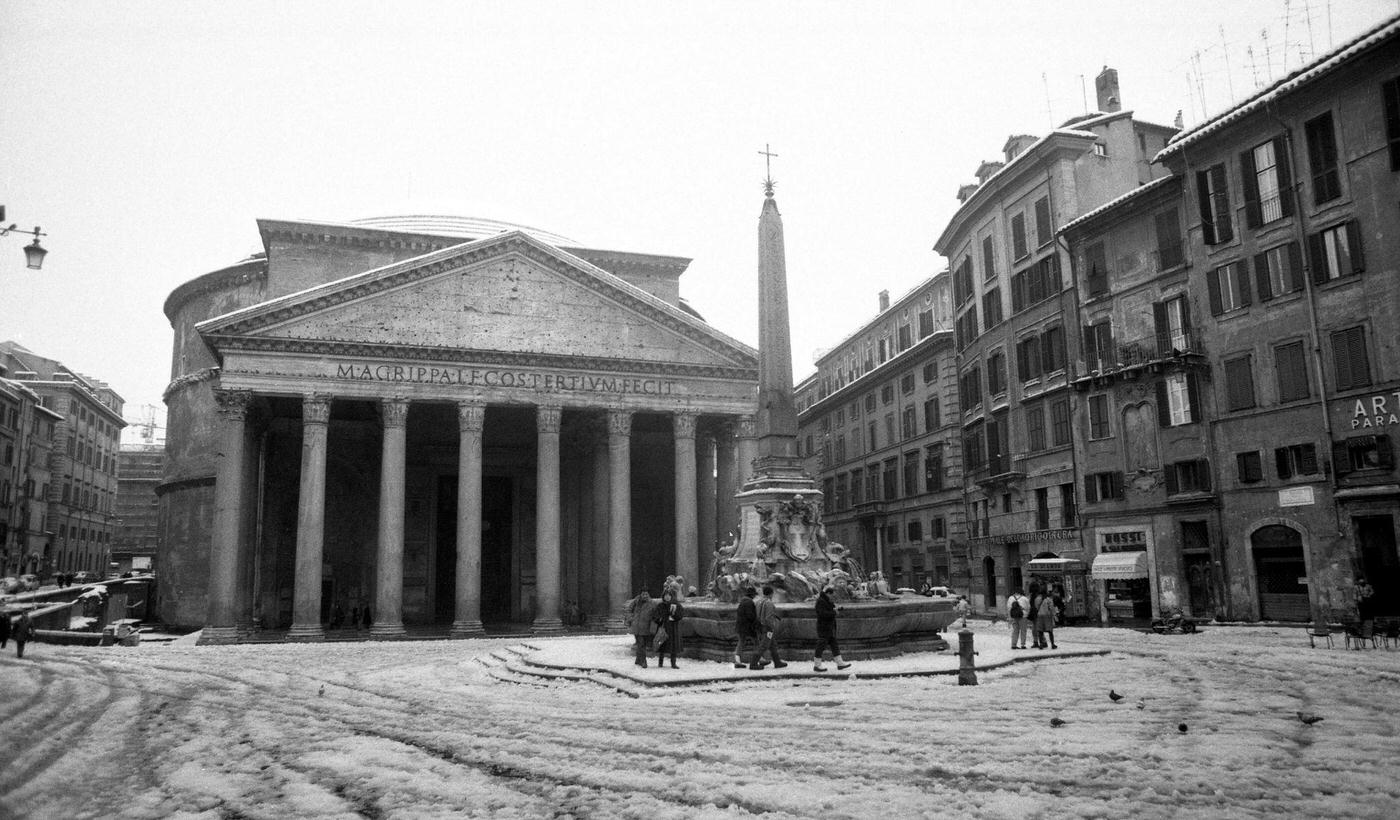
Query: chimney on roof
1106,84
1178,121
884,301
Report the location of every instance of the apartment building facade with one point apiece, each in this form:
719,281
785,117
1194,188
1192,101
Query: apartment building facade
26,440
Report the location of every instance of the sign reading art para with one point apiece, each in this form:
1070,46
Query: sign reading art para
1376,411
555,382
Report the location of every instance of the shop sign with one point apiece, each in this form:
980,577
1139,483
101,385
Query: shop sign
1295,497
1380,410
1122,541
1034,535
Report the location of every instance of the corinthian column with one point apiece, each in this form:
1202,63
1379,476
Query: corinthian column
683,426
727,480
547,619
388,599
705,489
471,417
225,560
311,519
619,517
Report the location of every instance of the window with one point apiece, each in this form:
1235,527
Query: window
1296,460
1098,346
874,439
1102,487
962,281
907,423
1096,269
1322,158
889,428
906,383
840,417
1044,234
1052,349
840,449
925,323
989,260
872,482
1215,205
1239,382
911,473
1042,508
930,373
1349,360
1177,400
966,327
1250,467
940,527
870,402
991,307
904,337
1229,288
915,531
884,350
1098,417
887,394
933,418
970,389
1335,252
1018,236
1101,149
1035,426
1172,320
1292,371
839,501
1059,422
974,446
1028,358
1363,453
1188,477
1035,284
1264,169
1170,248
855,487
996,374
890,478
1068,513
999,444
1390,96
1278,271
933,468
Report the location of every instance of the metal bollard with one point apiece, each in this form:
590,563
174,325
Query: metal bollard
967,668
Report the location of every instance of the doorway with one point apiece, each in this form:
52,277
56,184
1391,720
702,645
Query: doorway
1375,539
1281,572
989,570
497,530
1198,585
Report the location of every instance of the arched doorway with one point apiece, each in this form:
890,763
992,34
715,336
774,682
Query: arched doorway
989,570
1280,571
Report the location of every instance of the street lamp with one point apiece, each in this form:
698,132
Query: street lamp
33,252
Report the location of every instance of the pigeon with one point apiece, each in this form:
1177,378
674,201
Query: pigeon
1056,722
1309,718
1142,704
320,693
1114,696
1181,727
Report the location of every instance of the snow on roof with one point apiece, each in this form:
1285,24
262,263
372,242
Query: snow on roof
1114,203
1287,85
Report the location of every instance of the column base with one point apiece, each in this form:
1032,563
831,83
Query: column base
467,629
306,632
218,635
383,632
547,626
616,624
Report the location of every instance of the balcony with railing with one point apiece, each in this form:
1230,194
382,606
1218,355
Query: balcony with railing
1154,352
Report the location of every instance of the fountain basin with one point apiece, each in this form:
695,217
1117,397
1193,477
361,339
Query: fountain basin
865,629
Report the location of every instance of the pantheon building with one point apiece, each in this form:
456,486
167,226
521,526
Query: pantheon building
457,424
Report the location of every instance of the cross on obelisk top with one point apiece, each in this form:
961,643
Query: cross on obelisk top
768,166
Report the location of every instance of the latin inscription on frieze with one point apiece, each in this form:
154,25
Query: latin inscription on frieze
554,382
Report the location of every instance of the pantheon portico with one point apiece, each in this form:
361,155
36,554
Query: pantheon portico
452,423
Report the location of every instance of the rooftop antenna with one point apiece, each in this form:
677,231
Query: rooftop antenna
1330,45
1050,115
1287,18
1253,67
1083,94
1268,56
1229,78
1200,83
1307,16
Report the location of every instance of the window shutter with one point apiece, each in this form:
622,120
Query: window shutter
1091,348
1252,217
1224,230
1193,396
1213,285
1021,361
1203,474
1261,277
1241,278
1317,258
1309,460
1358,262
1047,353
1207,218
1285,176
1164,412
1341,458
1281,462
1242,467
1115,482
1384,454
1170,471
1342,362
1091,489
1159,323
1295,266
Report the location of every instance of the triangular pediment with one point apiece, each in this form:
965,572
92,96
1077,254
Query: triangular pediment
510,294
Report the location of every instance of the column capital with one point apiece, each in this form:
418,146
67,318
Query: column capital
746,427
394,411
316,408
233,404
471,416
620,422
683,425
548,417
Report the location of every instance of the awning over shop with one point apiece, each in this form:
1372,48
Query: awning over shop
1055,565
1118,565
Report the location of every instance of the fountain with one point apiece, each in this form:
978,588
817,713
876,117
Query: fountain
781,540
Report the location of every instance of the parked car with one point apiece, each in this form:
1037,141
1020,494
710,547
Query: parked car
940,592
9,585
30,581
84,577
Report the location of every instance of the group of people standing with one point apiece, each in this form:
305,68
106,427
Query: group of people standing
656,625
1038,613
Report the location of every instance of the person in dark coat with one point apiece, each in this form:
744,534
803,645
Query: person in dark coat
4,628
23,632
1045,620
746,626
640,610
768,622
826,631
668,616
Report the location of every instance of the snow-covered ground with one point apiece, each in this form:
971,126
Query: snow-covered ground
422,729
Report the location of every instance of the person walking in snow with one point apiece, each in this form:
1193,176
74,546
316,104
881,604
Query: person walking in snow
22,632
4,628
826,631
1045,621
768,621
668,616
641,609
1018,609
962,609
745,627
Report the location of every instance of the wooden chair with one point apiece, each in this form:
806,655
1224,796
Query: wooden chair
1361,634
1319,630
1391,636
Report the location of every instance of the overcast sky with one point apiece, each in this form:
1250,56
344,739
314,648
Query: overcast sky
146,138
